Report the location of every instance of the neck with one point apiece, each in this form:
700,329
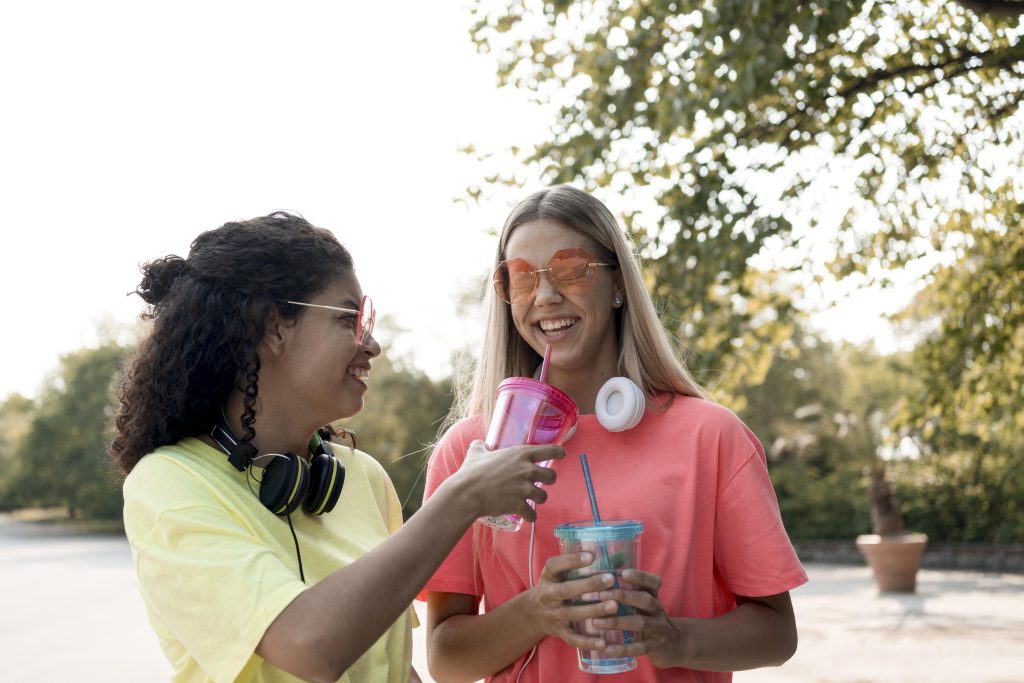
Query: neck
276,430
581,386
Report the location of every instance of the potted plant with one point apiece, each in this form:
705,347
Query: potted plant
893,554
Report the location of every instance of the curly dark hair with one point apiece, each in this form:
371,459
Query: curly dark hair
208,314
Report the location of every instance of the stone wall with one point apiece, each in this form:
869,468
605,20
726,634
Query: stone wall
967,556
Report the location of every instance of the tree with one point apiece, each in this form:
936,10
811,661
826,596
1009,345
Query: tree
822,414
739,118
886,133
61,459
967,418
15,417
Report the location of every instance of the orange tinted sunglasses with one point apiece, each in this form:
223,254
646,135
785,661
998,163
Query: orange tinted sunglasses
571,271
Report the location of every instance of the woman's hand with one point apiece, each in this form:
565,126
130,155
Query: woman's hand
500,482
655,634
550,600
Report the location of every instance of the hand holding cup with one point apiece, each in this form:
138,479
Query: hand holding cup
556,602
501,482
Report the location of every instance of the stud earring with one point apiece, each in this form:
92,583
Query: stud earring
618,301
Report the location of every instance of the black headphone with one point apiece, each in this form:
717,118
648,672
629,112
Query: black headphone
288,481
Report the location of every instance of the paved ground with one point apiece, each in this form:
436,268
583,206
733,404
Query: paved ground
70,610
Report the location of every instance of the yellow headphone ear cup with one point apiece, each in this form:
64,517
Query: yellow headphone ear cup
327,476
284,484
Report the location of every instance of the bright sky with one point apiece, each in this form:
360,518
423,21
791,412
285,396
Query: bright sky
128,127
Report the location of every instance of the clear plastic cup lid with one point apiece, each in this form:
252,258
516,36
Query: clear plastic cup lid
552,395
607,530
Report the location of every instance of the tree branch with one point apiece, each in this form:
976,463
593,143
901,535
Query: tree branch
998,8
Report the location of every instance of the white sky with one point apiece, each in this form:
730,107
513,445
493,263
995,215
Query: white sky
126,128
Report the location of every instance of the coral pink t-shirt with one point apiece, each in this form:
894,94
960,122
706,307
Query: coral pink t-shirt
696,477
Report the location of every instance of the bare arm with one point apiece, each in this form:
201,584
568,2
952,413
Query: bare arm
760,632
332,623
465,646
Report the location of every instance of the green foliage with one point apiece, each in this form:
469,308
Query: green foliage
968,416
754,126
822,414
15,417
60,461
398,425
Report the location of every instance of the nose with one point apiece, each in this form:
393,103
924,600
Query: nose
370,347
546,291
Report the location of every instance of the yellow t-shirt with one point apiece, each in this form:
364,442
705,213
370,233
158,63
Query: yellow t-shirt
215,567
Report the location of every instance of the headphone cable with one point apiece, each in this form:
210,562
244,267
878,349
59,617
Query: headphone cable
297,553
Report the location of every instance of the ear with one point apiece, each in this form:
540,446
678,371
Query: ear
619,296
275,332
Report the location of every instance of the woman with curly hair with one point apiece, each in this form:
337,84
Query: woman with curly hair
264,551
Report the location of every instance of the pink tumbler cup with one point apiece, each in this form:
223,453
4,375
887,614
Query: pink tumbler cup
528,412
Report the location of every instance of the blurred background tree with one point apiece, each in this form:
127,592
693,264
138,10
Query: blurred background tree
58,458
766,147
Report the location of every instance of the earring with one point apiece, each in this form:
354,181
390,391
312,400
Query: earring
618,300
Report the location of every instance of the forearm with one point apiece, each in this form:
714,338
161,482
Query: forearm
753,635
332,623
469,647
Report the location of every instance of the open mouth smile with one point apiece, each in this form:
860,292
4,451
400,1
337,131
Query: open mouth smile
555,328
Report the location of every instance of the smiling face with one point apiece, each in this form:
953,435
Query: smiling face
579,325
318,370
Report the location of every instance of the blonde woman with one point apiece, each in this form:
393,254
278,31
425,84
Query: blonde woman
717,563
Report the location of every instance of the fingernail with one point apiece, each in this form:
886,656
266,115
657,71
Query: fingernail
604,595
610,606
608,579
586,557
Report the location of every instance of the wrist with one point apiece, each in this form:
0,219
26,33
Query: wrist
530,615
456,498
680,646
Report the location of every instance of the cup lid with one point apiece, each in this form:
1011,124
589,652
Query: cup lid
607,530
552,395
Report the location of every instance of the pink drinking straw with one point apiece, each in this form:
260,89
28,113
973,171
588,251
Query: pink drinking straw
544,365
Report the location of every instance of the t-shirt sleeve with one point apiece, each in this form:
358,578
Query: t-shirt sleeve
753,553
459,571
210,580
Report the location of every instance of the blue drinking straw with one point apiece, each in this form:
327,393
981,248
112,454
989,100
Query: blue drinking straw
627,636
590,489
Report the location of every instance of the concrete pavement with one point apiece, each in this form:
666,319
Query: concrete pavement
70,609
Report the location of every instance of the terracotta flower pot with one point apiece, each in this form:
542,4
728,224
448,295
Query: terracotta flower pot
894,559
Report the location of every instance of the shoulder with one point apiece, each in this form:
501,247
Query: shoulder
712,425
450,450
462,433
355,460
163,468
700,413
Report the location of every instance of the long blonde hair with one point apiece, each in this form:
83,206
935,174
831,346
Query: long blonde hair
645,353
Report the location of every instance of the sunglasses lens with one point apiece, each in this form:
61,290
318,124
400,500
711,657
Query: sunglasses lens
515,281
570,271
367,315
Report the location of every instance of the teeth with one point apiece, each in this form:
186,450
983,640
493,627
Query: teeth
359,373
553,325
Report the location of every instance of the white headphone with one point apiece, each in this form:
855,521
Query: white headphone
620,405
